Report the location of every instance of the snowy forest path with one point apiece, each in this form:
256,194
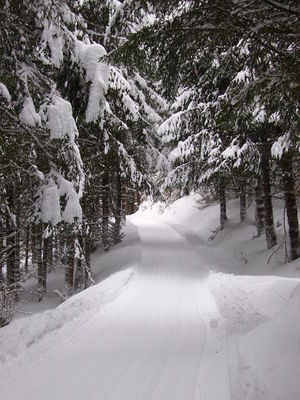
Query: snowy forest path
156,341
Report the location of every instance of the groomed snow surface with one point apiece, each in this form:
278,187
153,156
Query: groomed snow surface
188,313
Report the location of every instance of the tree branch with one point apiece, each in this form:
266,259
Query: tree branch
283,7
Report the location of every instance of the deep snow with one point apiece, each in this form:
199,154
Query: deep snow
173,323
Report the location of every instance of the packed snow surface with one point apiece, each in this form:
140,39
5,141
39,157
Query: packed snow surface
167,327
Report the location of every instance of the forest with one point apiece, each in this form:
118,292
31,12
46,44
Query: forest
105,102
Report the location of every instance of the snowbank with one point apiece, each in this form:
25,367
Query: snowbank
21,334
239,313
272,351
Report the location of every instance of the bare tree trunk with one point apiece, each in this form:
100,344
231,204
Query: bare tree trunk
41,286
105,210
88,247
69,277
13,268
118,211
50,252
1,256
138,199
124,202
243,202
268,207
35,245
27,240
18,239
56,247
43,264
259,208
291,204
222,200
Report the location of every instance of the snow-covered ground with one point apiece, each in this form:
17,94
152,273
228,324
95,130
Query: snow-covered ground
189,313
256,292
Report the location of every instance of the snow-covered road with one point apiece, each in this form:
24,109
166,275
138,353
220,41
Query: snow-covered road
156,341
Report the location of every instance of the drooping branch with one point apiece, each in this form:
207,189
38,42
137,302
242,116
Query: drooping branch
283,7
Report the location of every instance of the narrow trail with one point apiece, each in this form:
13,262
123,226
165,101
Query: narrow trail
154,343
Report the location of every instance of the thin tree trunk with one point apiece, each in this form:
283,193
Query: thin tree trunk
18,239
41,261
124,202
34,245
138,199
105,210
291,205
27,240
50,252
88,247
13,268
222,200
118,213
56,247
243,203
69,277
43,265
268,207
1,256
259,208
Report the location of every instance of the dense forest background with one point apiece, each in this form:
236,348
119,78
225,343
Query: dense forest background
105,102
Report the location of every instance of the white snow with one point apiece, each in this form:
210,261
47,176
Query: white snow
242,76
73,210
28,115
20,336
203,317
4,92
97,73
169,128
50,208
257,301
60,119
282,145
52,39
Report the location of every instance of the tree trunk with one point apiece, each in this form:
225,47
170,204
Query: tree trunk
43,264
268,207
105,210
118,212
27,240
290,204
124,202
69,277
50,253
13,268
88,248
243,203
1,256
18,239
34,245
222,200
259,208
